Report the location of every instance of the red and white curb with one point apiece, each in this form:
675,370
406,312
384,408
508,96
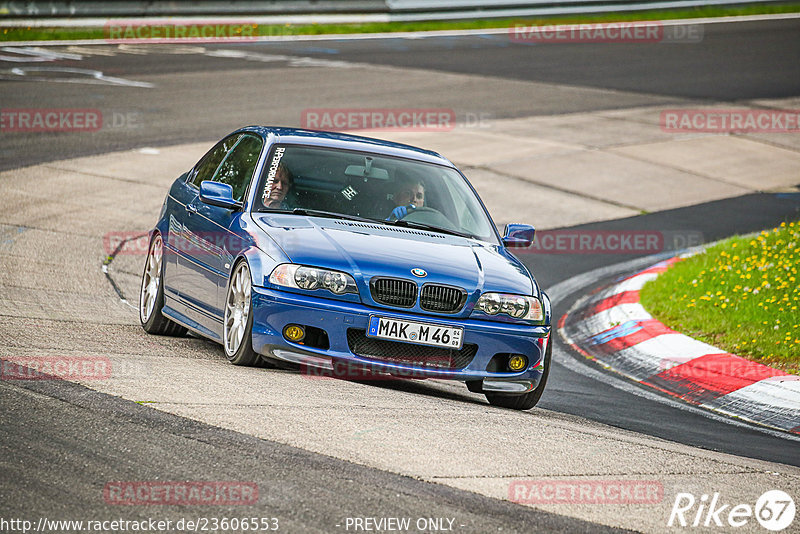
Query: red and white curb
612,328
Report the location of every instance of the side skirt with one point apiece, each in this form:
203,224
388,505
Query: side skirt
179,312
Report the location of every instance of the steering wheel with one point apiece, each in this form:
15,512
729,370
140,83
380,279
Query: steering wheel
430,216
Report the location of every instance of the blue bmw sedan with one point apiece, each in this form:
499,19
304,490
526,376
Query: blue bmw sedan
333,251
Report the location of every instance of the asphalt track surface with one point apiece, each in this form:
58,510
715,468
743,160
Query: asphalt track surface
209,96
68,425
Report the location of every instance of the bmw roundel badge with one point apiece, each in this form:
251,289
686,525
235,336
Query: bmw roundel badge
420,273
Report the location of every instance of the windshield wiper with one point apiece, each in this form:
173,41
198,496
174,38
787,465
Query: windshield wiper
336,215
423,226
330,214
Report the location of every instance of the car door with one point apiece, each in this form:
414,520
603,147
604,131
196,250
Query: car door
181,238
215,235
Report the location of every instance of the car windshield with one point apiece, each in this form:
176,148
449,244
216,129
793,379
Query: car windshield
340,183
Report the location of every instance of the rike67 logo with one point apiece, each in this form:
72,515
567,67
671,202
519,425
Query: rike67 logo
774,511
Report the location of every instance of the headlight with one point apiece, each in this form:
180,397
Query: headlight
302,277
517,306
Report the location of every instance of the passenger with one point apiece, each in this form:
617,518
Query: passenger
409,196
276,191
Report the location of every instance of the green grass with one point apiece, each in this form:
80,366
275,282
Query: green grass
37,34
741,295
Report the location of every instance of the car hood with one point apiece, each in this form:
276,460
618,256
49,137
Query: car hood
366,250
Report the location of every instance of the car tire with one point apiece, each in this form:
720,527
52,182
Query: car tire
151,294
528,400
237,322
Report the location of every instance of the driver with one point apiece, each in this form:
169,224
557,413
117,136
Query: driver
275,191
409,196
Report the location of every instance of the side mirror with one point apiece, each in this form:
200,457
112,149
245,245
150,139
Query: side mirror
519,235
217,194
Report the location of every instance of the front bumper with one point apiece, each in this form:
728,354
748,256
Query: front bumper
273,310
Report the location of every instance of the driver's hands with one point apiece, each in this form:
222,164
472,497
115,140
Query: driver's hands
401,211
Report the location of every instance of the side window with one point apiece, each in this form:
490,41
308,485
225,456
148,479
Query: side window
238,167
210,162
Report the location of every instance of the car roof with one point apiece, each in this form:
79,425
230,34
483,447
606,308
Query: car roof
347,141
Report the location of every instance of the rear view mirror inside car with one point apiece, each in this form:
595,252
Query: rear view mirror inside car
367,170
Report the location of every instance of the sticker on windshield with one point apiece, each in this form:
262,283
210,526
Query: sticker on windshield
348,192
273,171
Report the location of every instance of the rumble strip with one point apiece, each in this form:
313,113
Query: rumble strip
612,328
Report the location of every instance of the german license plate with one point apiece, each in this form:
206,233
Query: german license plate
413,332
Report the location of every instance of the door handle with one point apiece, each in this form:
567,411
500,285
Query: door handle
191,208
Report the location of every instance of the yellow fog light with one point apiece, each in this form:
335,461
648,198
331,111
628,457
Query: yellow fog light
294,332
517,362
